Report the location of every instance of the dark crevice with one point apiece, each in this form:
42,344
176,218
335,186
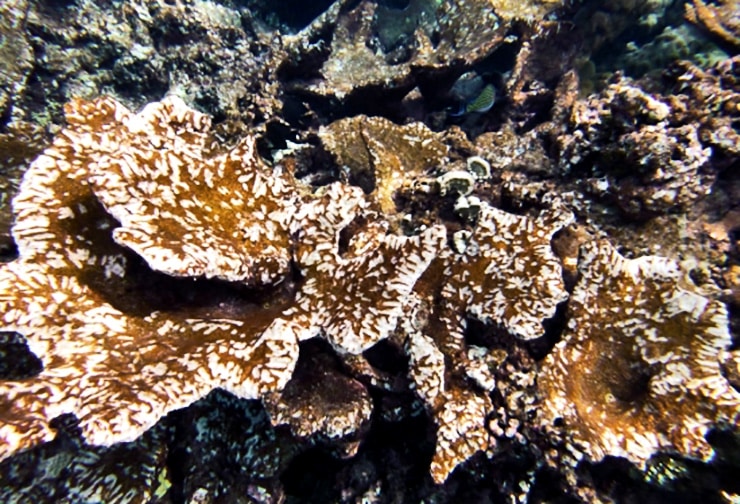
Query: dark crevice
554,329
387,357
17,362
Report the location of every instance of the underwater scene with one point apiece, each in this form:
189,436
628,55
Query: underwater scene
370,251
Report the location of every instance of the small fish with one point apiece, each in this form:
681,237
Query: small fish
481,103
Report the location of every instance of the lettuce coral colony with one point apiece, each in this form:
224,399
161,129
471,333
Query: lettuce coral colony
219,300
187,211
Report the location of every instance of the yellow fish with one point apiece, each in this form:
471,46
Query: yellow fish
481,103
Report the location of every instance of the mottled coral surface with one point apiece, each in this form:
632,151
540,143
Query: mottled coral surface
303,274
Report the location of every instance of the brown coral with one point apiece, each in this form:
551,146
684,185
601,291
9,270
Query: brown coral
468,31
524,11
458,413
506,272
119,364
721,20
503,273
176,203
354,294
381,156
331,404
638,369
118,370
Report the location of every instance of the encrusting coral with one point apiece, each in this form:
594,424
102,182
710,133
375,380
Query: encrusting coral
638,370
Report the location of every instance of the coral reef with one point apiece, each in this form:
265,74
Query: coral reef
143,470
58,229
354,294
503,273
61,234
19,144
380,156
506,272
653,154
209,52
522,11
305,275
184,193
464,32
332,405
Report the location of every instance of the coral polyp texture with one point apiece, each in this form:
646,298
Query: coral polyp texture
176,200
503,273
120,365
117,370
355,294
638,370
156,265
507,273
